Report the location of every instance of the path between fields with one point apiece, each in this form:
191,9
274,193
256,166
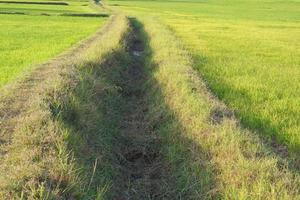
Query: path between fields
142,175
16,99
139,157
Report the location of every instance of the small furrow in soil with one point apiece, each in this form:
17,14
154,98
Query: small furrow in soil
138,155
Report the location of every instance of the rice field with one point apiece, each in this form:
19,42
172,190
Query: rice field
147,99
247,51
37,9
33,38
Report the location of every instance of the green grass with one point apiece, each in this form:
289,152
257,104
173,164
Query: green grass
247,51
209,156
63,148
42,38
73,7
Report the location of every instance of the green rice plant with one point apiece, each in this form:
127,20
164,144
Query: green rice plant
210,155
248,52
34,9
23,47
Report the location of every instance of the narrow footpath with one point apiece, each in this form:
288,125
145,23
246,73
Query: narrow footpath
139,157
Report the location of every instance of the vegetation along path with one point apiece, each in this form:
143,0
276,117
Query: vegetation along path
51,120
16,99
130,119
139,157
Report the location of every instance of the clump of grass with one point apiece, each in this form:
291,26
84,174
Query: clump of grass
62,148
210,155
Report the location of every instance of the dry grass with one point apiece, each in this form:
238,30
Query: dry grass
247,51
37,160
210,155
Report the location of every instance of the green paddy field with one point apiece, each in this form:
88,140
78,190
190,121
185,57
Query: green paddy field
32,38
150,99
247,51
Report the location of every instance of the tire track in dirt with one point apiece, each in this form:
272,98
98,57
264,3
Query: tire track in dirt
139,157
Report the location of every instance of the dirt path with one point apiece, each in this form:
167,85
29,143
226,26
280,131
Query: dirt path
139,157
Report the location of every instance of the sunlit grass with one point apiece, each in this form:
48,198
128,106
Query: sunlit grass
248,51
210,157
73,7
254,68
43,37
62,149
